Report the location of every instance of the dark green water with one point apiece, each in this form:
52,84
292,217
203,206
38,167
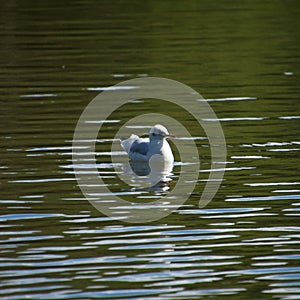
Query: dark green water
243,56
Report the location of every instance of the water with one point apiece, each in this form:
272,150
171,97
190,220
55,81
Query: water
241,56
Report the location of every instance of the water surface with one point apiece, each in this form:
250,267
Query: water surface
242,57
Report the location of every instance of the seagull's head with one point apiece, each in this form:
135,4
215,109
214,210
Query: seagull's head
159,132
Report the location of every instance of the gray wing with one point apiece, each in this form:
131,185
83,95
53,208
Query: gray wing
140,147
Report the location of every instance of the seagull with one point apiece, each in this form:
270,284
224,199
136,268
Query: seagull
142,149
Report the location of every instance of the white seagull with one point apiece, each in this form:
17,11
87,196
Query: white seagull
141,149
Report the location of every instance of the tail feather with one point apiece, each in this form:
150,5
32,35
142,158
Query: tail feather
127,143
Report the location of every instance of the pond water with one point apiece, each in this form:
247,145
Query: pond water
243,57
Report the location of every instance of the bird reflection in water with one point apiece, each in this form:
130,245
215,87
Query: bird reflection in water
154,175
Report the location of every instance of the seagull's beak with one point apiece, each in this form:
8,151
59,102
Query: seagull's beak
170,136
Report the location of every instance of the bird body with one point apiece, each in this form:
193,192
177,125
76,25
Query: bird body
142,149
